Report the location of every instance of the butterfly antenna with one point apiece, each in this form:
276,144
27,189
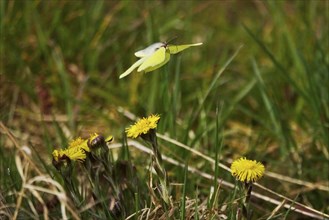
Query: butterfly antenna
167,42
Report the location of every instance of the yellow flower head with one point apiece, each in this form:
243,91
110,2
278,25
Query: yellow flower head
143,126
247,170
79,143
109,139
71,153
57,154
95,141
75,153
92,136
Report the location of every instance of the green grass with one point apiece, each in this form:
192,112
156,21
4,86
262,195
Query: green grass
257,87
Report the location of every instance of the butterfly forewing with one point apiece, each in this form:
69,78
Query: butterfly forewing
134,66
173,49
149,50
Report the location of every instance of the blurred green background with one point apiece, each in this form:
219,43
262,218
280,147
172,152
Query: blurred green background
60,63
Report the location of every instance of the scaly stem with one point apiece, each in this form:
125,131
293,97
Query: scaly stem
158,165
245,208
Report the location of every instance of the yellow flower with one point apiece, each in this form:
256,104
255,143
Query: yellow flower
79,143
92,136
143,126
95,141
57,154
109,139
247,170
71,153
75,153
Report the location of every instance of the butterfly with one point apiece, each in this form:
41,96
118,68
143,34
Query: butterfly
155,56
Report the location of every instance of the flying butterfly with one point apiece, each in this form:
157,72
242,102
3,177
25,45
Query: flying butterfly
155,56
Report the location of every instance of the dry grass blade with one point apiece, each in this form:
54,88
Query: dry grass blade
288,179
276,209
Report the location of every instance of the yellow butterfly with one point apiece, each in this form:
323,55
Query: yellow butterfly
155,56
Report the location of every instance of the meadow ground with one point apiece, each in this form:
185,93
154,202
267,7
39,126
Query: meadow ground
256,88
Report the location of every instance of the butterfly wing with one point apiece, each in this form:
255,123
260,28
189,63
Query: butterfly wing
157,59
149,50
167,58
134,66
174,49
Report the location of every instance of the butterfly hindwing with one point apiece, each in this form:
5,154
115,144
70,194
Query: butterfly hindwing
156,59
167,58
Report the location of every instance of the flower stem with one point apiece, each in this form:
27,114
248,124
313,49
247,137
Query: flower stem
245,209
159,167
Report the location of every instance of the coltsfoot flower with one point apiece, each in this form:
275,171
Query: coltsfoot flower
75,154
79,143
76,151
70,153
247,170
143,126
57,154
95,141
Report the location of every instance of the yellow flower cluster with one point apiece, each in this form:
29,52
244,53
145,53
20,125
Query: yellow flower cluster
76,150
247,170
71,153
143,126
